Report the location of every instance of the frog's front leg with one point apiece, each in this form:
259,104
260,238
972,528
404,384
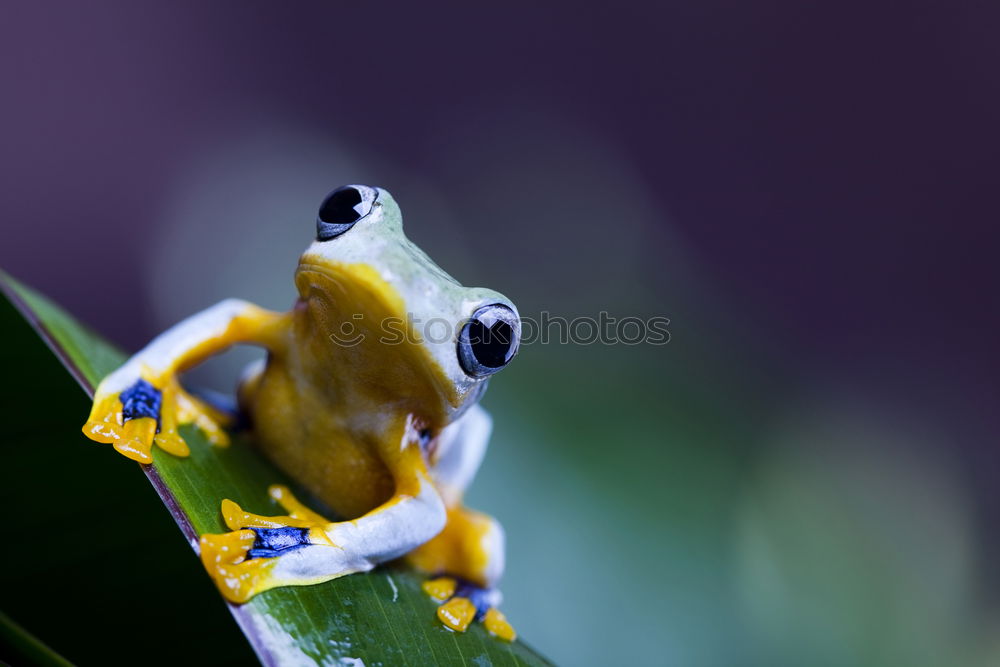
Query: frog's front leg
143,402
304,548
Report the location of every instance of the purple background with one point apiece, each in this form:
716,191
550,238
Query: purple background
830,170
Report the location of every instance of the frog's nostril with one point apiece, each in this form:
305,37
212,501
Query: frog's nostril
342,208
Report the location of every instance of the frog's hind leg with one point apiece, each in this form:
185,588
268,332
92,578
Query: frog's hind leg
242,561
469,557
303,547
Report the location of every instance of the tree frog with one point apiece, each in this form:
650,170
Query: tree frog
374,416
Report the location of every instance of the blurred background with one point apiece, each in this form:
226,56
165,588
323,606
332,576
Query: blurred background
805,474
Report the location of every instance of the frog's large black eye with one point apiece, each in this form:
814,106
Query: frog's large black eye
489,340
342,208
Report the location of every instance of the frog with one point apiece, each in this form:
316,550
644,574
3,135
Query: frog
376,418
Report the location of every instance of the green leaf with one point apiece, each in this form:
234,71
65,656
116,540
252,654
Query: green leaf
26,648
381,617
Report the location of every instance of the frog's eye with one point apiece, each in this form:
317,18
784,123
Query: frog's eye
342,208
489,340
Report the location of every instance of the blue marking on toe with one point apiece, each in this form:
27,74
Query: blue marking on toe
141,400
270,542
477,595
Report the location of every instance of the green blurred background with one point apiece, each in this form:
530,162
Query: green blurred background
805,474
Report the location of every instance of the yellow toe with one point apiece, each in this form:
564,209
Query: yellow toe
226,547
135,449
172,442
233,515
440,589
496,624
103,431
236,518
284,497
457,613
224,557
136,442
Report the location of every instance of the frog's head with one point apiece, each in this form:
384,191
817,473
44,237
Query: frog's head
395,327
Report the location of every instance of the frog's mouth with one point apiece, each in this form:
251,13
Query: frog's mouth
363,325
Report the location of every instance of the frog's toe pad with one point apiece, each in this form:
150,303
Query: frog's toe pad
105,431
457,613
227,548
497,625
228,560
441,588
172,443
137,438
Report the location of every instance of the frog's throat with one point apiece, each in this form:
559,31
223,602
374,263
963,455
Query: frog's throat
353,306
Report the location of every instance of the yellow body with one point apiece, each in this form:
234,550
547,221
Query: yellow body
333,416
351,403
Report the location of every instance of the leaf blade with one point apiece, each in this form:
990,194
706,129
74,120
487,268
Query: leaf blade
341,620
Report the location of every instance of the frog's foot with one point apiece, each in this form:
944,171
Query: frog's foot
263,552
463,602
150,412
